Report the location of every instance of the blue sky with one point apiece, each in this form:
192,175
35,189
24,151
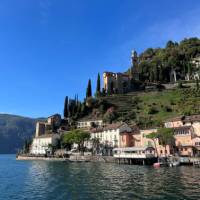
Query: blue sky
49,48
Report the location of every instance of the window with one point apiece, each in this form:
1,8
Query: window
197,143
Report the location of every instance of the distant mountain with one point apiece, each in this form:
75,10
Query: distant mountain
13,131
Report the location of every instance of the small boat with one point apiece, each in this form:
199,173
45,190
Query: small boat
173,161
167,162
174,164
156,165
161,162
196,163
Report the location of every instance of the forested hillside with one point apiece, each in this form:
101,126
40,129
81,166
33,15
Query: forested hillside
13,131
155,64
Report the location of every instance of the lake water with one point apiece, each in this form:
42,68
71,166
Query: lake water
55,180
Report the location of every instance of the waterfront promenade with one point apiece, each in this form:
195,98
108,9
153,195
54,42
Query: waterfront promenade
107,159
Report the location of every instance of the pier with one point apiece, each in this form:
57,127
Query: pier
135,155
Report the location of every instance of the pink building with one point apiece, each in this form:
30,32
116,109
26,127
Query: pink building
186,133
174,122
145,141
183,140
130,139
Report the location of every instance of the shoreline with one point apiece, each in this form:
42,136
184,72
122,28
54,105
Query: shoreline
21,158
103,159
100,159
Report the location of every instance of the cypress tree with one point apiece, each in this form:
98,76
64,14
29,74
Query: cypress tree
77,100
66,111
89,89
98,90
75,108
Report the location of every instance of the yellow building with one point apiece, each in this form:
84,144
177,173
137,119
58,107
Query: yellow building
121,82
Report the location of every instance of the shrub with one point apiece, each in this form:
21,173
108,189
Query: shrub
180,85
167,109
131,115
91,102
152,111
136,100
172,102
110,115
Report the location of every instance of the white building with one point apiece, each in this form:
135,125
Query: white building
110,135
90,123
41,144
40,128
134,152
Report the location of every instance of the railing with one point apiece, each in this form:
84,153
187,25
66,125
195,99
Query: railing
132,155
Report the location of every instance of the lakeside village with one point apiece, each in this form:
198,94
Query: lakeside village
95,130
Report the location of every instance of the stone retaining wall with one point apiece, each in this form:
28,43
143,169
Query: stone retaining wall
40,158
87,158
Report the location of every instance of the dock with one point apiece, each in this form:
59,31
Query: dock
135,155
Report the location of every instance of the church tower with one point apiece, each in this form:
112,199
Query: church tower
134,66
134,59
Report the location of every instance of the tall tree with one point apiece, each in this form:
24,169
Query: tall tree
166,137
170,44
89,89
66,111
98,90
76,136
154,137
77,101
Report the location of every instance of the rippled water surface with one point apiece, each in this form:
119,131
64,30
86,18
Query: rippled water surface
54,180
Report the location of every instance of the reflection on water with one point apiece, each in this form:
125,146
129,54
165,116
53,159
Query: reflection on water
53,180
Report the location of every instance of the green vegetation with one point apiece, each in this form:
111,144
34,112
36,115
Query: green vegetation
150,109
27,145
155,64
165,136
98,90
73,109
153,136
75,136
65,113
89,89
110,115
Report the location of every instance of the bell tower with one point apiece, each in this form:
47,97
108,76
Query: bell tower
134,58
134,65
